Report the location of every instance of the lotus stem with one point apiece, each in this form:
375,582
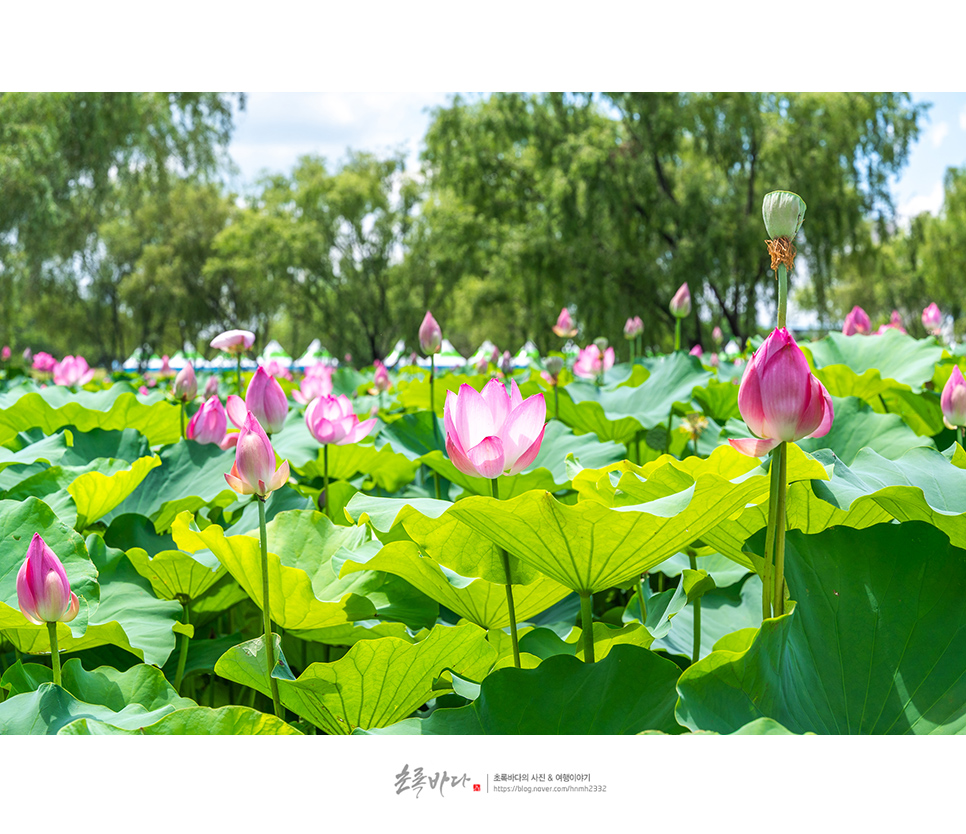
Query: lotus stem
54,652
266,610
696,650
183,656
677,334
182,419
782,294
325,479
511,609
767,581
780,525
587,625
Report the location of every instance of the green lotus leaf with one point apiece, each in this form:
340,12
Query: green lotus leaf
194,721
874,644
95,493
117,408
388,470
377,682
129,615
440,535
19,520
174,573
481,602
543,643
414,394
628,692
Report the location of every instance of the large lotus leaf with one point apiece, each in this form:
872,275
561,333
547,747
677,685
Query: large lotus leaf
544,643
348,634
718,400
243,514
377,682
618,412
174,573
191,475
548,470
440,535
305,590
481,602
33,446
874,644
628,692
922,485
129,614
19,520
127,700
388,470
413,435
414,395
115,409
96,493
193,721
589,547
893,355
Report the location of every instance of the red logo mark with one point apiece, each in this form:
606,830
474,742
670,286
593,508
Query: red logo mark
476,787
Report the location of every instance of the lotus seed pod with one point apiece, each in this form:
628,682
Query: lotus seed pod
783,212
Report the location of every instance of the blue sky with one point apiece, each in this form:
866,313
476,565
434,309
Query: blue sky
277,128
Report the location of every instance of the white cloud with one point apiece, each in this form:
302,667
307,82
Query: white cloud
962,118
939,133
918,203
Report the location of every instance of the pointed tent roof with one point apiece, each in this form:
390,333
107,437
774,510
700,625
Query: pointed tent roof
526,356
398,350
273,350
313,353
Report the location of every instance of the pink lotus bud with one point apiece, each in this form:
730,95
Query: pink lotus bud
332,420
714,361
43,589
209,423
5,353
185,384
506,363
564,327
857,323
317,383
72,371
381,381
143,390
779,397
495,355
633,327
276,369
211,387
166,366
953,399
254,471
696,351
348,359
482,364
591,362
27,354
233,341
681,303
265,399
44,362
430,336
932,319
717,335
493,433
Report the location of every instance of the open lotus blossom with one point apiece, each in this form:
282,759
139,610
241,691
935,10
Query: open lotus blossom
381,381
932,318
894,323
332,420
564,327
276,369
633,327
591,362
681,302
233,341
492,432
857,323
430,335
72,370
43,362
43,590
953,399
209,423
317,383
254,471
186,384
779,397
265,399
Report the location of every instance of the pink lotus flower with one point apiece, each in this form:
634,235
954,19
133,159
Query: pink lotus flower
430,336
681,302
696,351
857,322
265,399
233,341
5,353
493,433
779,397
186,384
254,471
165,367
717,335
714,361
381,381
564,327
277,369
633,327
72,371
482,364
506,363
209,423
932,319
43,362
591,363
894,323
317,383
211,387
953,399
332,420
43,590
143,391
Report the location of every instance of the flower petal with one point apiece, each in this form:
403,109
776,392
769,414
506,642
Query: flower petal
752,446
